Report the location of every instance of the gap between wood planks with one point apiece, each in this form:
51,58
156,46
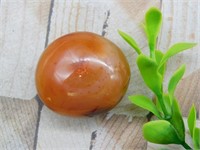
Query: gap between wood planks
40,104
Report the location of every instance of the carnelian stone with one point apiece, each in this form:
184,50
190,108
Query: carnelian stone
82,73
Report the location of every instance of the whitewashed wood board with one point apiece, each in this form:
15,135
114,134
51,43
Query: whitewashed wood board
180,24
18,122
23,29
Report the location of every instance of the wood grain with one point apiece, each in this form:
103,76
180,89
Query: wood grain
23,27
188,92
181,23
61,132
118,133
18,119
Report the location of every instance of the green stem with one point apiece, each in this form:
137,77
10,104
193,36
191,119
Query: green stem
152,53
164,109
186,146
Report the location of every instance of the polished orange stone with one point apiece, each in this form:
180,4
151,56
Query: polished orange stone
82,73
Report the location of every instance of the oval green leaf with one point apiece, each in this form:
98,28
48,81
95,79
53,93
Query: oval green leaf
177,120
153,20
175,49
130,41
160,132
176,77
148,69
168,103
192,120
159,56
144,102
196,138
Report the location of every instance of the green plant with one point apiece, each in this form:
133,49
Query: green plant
194,131
169,127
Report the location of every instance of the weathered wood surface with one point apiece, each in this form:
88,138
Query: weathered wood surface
181,23
18,122
60,132
189,96
23,27
118,133
26,27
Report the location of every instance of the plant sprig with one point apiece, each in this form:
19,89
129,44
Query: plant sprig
169,128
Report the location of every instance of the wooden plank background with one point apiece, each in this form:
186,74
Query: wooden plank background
27,27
